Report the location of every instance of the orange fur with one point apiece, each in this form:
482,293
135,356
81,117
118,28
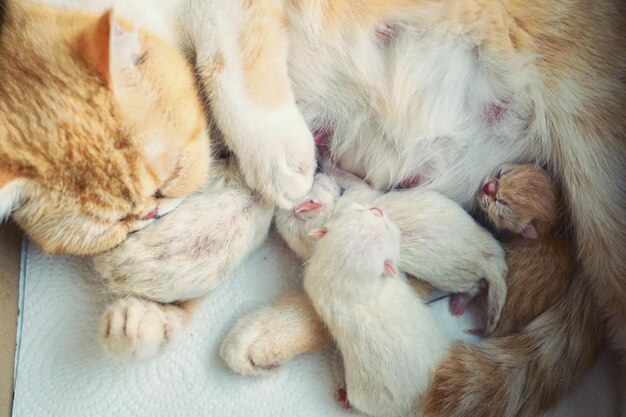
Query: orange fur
92,154
523,374
263,43
539,269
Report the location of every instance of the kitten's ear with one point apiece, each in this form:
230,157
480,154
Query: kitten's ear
318,233
390,268
529,231
308,206
11,192
108,48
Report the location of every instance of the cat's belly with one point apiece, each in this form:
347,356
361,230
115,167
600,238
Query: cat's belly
417,110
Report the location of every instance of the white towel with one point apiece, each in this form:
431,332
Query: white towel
62,371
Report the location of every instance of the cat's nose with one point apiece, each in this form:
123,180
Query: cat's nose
150,215
377,212
490,188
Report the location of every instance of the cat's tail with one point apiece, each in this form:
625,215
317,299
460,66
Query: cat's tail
523,374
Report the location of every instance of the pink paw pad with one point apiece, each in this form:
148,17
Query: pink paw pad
342,398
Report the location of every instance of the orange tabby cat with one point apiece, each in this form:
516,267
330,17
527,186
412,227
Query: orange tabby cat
523,199
101,127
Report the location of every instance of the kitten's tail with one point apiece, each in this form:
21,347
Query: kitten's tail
523,374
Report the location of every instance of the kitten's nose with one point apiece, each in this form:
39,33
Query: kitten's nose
490,188
377,212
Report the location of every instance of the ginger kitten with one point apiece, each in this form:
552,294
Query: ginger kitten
523,200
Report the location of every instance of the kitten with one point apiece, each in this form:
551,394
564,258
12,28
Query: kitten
494,83
456,88
179,258
388,338
523,200
441,243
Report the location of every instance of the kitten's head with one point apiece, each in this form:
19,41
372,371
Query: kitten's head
365,237
100,125
522,199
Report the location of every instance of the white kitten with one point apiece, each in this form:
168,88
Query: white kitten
389,340
441,243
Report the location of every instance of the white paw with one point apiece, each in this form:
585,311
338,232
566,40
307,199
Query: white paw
282,167
253,346
135,329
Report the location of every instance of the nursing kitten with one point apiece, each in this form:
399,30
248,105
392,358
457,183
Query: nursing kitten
435,94
389,340
178,259
494,83
441,243
101,127
523,200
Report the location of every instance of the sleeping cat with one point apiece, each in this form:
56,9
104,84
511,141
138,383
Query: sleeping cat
432,94
177,261
441,243
523,200
94,142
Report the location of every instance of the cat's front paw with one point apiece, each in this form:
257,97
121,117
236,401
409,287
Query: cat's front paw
282,167
135,329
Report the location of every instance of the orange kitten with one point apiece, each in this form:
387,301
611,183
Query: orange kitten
101,127
524,200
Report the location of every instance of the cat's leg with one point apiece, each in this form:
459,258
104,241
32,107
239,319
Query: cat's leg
243,71
135,328
274,335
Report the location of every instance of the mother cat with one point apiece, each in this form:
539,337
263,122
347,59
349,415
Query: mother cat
419,93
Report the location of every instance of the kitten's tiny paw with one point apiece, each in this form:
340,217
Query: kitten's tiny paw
252,346
135,329
342,398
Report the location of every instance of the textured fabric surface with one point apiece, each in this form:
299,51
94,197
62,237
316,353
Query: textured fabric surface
62,371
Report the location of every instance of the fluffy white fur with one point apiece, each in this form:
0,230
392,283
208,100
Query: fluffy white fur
182,256
388,338
441,243
190,251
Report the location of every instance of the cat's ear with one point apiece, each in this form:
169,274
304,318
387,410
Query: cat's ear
318,233
109,49
529,231
391,268
11,193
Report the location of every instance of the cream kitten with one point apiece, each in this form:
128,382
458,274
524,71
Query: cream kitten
388,338
181,257
441,243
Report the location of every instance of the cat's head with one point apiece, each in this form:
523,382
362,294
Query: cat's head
101,126
522,199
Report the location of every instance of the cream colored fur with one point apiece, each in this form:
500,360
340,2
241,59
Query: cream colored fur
182,256
441,243
388,338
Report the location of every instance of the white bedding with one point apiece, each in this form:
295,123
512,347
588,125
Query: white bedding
62,371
